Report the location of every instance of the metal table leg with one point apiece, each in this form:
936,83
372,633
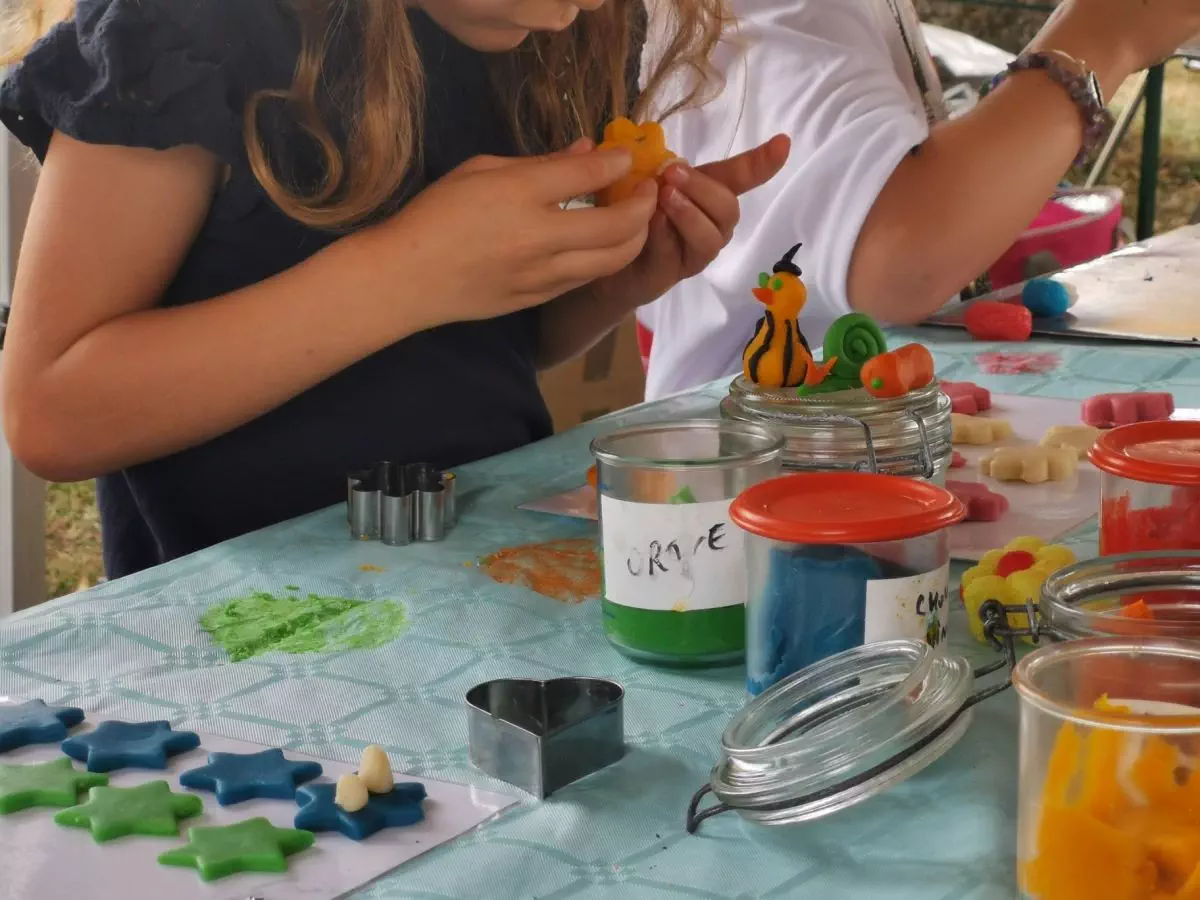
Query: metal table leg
1151,154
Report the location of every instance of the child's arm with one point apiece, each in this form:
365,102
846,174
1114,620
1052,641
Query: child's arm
956,204
95,376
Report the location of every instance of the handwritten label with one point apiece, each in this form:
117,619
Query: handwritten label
681,557
913,607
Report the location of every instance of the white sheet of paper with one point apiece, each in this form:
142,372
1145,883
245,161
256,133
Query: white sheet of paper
1047,511
43,860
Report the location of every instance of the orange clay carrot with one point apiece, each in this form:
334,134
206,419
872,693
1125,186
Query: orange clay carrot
897,372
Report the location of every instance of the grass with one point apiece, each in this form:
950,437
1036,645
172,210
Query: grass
72,538
72,527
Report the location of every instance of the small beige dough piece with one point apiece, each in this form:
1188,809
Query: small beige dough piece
376,771
1078,437
1033,465
351,794
978,430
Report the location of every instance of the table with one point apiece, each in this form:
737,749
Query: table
131,648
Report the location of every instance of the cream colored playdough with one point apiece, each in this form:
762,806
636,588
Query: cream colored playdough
976,430
351,794
1033,465
1078,437
376,771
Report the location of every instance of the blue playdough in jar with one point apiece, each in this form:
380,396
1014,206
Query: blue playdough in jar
813,606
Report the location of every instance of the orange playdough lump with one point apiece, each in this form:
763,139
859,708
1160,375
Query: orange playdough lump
1119,818
648,145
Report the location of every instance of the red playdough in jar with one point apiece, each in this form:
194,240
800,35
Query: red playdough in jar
1150,489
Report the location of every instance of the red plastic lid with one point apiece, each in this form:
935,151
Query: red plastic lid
844,508
1166,452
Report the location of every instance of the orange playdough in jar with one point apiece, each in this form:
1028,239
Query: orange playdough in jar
1119,818
648,145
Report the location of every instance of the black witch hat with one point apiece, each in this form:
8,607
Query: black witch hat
787,264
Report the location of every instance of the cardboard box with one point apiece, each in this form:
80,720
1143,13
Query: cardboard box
607,378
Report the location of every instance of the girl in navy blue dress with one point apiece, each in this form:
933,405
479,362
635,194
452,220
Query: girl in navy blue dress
275,240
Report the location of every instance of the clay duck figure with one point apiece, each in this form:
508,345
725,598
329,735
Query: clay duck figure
778,356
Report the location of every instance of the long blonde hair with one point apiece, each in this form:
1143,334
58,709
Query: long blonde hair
555,87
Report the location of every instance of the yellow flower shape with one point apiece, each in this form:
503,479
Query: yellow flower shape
1013,575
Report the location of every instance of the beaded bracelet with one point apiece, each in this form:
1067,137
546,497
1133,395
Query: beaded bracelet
1084,90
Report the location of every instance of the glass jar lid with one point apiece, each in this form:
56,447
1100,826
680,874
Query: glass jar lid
1149,594
849,429
839,732
689,444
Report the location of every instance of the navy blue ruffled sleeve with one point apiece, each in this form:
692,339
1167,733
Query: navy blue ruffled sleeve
137,73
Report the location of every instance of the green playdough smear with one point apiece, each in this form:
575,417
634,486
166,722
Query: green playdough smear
260,623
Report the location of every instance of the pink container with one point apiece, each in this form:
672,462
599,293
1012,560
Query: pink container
1078,225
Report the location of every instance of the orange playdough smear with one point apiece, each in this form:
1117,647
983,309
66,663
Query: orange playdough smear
567,571
1112,828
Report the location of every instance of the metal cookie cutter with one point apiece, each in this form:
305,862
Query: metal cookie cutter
399,503
544,735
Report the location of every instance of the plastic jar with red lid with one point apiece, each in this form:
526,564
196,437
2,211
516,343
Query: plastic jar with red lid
1150,487
836,560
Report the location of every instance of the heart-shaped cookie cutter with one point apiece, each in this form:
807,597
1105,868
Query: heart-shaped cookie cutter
543,735
399,503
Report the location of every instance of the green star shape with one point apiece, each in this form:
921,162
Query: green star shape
54,783
254,845
150,808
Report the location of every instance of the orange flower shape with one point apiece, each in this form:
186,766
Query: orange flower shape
648,145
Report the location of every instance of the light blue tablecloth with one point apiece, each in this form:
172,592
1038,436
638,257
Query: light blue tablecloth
132,648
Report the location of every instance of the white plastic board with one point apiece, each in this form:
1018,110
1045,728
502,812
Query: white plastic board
1047,511
40,859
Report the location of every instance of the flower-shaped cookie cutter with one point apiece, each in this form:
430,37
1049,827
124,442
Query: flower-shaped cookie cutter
398,503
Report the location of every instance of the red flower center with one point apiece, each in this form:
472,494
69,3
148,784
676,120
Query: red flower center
1015,561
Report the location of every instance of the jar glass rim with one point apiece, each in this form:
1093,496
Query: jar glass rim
842,730
765,444
1028,670
1071,598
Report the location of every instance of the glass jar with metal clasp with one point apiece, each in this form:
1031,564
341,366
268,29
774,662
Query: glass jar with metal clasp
851,430
854,725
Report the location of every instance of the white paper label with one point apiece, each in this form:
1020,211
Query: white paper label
664,556
912,607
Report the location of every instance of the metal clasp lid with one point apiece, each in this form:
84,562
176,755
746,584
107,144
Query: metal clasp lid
400,503
923,458
843,730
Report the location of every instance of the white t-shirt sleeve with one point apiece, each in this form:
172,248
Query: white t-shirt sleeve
824,74
829,74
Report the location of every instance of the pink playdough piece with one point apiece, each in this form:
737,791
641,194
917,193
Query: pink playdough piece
957,460
982,503
966,397
1111,410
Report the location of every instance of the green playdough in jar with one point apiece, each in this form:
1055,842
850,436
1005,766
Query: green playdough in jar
674,573
680,638
688,638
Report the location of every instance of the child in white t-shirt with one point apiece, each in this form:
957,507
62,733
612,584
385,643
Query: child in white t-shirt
897,208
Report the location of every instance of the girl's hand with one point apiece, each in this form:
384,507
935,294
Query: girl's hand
697,210
491,237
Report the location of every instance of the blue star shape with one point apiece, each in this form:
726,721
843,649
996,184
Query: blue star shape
399,807
237,777
117,745
33,722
